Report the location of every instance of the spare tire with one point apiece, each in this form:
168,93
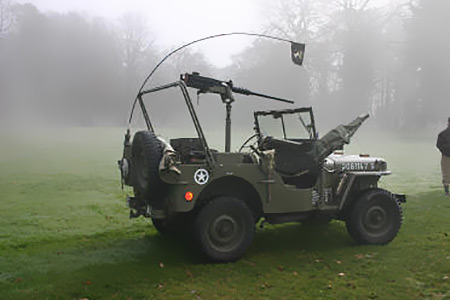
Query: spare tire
146,154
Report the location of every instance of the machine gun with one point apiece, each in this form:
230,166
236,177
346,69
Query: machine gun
225,89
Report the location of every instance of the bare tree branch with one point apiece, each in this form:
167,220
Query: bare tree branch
364,5
6,18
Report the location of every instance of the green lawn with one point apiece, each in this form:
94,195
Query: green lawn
65,233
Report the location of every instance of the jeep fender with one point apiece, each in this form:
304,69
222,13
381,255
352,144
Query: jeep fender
354,183
236,187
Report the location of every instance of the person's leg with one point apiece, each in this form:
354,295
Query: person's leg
445,166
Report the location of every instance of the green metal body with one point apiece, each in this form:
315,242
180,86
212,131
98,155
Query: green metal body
273,195
329,194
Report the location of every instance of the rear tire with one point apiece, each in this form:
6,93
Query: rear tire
375,218
146,155
161,226
224,229
179,223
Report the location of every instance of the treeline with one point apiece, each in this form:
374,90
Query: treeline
73,69
389,60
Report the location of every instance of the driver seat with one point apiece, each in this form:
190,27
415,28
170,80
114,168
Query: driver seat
294,161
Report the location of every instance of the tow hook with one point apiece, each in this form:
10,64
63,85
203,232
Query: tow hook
138,208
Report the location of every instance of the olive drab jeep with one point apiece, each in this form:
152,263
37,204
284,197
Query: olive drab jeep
283,173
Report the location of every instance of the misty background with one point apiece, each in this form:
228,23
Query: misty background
72,68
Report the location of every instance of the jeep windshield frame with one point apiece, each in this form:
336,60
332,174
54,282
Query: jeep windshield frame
209,157
280,114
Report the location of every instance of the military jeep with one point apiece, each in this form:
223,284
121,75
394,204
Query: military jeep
283,173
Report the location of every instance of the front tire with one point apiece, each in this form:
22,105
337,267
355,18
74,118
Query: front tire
224,229
375,218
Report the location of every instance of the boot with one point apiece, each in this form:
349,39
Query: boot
446,190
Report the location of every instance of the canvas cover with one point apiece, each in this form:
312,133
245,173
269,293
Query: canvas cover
337,138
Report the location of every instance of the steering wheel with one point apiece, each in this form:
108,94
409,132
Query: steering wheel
245,144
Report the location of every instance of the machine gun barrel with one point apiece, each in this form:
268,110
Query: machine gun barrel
250,93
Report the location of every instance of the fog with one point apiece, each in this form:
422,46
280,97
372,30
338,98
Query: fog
63,67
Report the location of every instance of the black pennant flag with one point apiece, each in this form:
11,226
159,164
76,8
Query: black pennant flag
297,53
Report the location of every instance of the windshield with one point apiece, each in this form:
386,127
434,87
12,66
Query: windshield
292,125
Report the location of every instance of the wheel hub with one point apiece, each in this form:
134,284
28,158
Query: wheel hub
224,229
375,218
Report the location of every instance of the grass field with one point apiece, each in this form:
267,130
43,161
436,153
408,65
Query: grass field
65,233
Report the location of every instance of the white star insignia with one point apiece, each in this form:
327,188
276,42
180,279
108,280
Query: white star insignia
201,176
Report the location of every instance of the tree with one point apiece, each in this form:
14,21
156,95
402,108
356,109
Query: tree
299,20
426,65
355,36
343,42
6,22
6,17
266,66
64,68
351,58
136,48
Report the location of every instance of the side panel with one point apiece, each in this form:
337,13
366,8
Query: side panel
185,182
182,184
281,198
275,196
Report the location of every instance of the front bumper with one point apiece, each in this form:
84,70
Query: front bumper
400,198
